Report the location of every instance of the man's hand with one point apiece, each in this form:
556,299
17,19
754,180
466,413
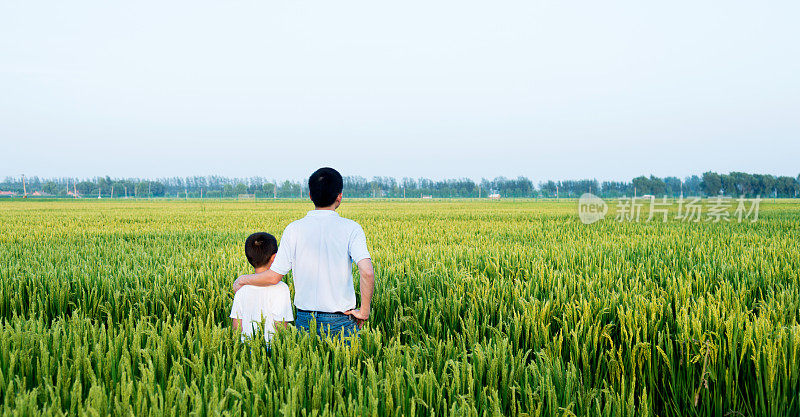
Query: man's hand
367,287
239,283
361,315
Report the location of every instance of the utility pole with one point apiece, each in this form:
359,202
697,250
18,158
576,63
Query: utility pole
201,193
479,190
556,191
126,191
24,189
112,191
274,188
75,189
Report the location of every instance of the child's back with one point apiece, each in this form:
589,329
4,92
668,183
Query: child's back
253,304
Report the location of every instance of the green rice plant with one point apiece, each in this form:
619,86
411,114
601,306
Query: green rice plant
481,308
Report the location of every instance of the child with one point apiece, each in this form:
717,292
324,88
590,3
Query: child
251,304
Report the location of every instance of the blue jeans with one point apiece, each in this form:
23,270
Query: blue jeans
333,324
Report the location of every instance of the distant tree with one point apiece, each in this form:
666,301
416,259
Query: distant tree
728,184
519,187
616,188
692,185
240,189
743,184
641,185
786,187
763,185
657,186
289,189
269,189
409,187
144,189
127,187
711,184
86,188
157,189
50,187
548,189
356,187
732,184
673,186
254,184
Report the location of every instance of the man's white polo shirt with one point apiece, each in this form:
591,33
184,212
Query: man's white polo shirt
319,249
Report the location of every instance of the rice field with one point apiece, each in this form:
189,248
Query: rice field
509,308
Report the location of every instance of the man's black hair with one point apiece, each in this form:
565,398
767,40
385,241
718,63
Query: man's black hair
259,247
324,185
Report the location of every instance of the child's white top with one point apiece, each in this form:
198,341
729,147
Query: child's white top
272,303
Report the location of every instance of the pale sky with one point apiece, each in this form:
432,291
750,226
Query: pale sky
441,89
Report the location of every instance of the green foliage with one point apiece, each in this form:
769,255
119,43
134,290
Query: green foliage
481,308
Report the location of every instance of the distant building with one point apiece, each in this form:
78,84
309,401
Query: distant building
494,196
427,196
7,194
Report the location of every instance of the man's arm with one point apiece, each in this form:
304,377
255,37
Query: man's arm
282,261
261,279
367,286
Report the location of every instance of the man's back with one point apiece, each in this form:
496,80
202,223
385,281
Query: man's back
320,249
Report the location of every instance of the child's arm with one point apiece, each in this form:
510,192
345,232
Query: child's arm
237,324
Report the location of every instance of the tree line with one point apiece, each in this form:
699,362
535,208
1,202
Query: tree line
707,184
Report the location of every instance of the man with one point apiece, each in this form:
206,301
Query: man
319,249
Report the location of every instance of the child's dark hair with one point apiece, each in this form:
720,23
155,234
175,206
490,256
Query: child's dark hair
259,247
